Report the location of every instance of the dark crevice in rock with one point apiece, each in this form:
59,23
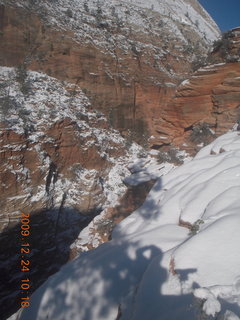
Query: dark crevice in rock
156,147
190,128
51,234
131,201
52,176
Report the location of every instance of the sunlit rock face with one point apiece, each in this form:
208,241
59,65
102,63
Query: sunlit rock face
54,146
211,96
128,56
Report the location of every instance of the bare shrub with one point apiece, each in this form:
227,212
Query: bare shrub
8,103
104,227
172,156
195,227
69,13
201,133
22,79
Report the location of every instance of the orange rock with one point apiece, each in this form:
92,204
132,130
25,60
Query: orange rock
130,90
212,95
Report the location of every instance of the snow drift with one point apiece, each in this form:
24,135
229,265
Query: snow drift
155,267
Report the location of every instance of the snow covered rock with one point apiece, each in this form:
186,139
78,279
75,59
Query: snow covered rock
205,105
128,56
59,161
154,268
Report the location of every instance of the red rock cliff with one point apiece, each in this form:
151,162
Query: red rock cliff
129,73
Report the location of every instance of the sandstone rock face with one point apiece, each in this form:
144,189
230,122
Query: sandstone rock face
54,147
59,159
126,56
211,96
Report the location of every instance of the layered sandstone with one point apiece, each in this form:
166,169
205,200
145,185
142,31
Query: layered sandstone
127,57
59,161
210,97
54,147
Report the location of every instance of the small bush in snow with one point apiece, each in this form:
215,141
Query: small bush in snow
142,154
128,142
201,133
195,227
232,59
135,51
104,227
196,23
77,168
22,79
85,5
223,45
8,103
69,13
172,156
198,62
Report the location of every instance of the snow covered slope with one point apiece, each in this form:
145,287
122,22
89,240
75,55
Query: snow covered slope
127,56
38,109
177,257
189,13
61,162
163,27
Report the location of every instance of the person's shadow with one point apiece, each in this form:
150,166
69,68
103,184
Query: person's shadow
119,280
51,234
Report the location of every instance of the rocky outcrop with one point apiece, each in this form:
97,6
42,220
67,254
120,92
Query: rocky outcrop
59,161
227,49
54,147
100,229
211,97
33,174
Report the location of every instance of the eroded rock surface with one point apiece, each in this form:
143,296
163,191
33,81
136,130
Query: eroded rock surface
128,57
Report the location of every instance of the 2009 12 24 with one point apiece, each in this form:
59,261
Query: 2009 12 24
25,262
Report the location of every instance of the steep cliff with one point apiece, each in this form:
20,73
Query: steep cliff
59,161
209,100
127,55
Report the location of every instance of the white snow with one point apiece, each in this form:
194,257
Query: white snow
154,268
110,24
48,101
145,170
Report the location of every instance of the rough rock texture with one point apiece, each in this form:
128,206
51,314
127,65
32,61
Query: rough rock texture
100,229
59,161
211,96
54,148
24,171
126,56
227,49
